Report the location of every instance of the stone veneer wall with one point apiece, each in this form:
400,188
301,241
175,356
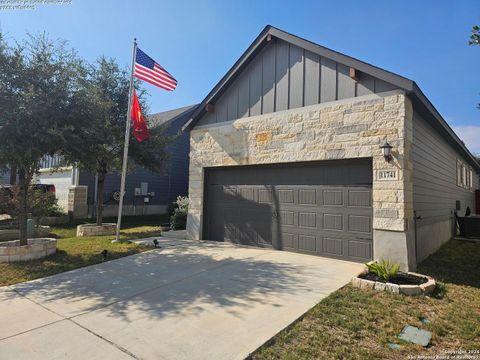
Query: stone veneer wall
96,230
11,251
77,201
343,129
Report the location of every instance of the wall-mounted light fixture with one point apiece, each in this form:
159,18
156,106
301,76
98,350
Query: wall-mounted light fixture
387,151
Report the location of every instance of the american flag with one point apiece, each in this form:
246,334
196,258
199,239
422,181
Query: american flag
147,69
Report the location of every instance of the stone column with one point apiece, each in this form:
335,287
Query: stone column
394,233
77,201
195,196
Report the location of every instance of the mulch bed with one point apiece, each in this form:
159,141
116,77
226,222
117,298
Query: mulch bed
400,279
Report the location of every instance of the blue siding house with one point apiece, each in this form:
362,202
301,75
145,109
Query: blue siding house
4,177
146,192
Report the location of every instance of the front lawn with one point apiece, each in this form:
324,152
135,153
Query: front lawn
358,324
73,252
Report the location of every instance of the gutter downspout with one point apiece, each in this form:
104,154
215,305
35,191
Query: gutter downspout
75,176
415,218
72,181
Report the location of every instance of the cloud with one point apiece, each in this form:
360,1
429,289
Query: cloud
470,136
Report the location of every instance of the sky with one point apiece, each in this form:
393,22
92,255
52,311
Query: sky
198,41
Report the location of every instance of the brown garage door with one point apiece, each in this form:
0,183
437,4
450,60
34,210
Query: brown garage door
322,208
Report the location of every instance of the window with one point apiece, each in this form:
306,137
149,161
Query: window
471,179
464,176
459,173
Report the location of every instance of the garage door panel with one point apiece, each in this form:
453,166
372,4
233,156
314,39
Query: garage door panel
307,219
333,198
333,222
231,222
288,241
265,196
287,218
229,193
361,224
360,198
247,194
286,196
307,242
333,246
360,249
324,219
307,197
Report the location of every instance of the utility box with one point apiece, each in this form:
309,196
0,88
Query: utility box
144,188
458,205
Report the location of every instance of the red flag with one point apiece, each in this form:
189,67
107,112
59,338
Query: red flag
140,130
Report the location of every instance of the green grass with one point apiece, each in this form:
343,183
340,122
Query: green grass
75,252
358,324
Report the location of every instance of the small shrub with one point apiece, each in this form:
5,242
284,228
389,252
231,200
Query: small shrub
171,208
178,220
43,204
384,269
40,204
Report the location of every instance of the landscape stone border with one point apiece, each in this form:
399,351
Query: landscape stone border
96,230
11,251
410,290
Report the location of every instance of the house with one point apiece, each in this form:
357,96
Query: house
146,192
302,148
4,177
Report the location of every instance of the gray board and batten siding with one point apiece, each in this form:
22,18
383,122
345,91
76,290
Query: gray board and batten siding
322,208
435,188
284,76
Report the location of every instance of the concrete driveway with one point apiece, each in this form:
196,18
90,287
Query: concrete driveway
187,300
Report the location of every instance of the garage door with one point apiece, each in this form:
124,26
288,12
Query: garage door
322,208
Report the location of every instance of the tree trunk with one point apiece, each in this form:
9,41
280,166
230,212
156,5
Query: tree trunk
13,175
23,208
100,188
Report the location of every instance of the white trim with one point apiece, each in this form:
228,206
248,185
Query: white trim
77,176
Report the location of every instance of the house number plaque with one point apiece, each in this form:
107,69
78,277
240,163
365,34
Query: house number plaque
385,175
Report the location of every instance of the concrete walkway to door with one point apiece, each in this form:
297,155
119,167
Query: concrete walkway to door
187,300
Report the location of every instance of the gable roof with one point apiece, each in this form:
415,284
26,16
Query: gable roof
164,117
420,102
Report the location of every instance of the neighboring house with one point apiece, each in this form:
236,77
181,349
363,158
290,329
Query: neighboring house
4,177
146,192
285,152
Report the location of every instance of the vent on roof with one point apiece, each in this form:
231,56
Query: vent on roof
354,73
210,108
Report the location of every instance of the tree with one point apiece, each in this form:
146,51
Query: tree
39,86
97,144
475,37
41,203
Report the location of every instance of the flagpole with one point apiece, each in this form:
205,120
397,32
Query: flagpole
125,147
